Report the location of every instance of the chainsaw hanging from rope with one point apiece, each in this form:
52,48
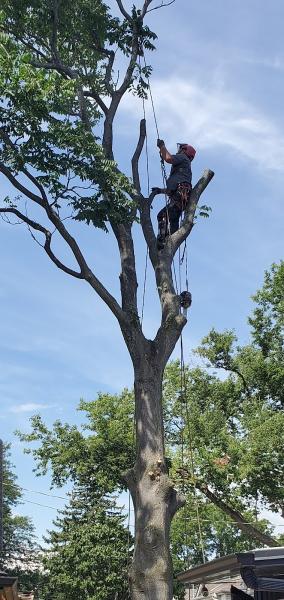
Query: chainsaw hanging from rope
177,188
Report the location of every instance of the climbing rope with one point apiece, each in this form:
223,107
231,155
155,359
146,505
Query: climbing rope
129,498
184,400
148,191
178,289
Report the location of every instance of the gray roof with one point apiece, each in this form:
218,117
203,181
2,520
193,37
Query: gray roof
259,569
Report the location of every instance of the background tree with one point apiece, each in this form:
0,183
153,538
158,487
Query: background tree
58,79
88,550
234,434
20,555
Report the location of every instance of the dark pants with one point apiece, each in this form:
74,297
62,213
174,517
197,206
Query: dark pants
168,219
169,216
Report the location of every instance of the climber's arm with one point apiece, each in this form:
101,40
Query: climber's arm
164,153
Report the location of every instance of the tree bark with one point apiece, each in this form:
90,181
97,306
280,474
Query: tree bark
154,498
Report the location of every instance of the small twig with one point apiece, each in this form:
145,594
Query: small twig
160,6
30,230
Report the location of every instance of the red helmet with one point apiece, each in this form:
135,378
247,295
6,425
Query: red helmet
188,150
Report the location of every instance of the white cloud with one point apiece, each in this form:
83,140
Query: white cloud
27,407
209,117
276,62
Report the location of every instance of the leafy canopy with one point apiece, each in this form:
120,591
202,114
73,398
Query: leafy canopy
87,550
55,65
20,551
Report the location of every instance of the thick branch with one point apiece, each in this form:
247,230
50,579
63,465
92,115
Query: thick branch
110,54
118,94
97,98
19,186
108,72
145,8
188,222
144,203
136,156
87,273
128,279
237,517
53,39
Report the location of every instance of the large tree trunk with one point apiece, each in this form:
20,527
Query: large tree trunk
154,498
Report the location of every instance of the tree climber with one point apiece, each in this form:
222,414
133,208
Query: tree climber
178,188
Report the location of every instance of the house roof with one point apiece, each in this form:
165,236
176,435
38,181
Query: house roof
256,568
8,587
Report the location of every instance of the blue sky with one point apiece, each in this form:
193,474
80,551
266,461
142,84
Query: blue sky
218,85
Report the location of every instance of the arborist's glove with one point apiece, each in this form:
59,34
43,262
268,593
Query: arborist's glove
160,143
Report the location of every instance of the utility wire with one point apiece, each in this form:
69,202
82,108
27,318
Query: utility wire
18,487
184,400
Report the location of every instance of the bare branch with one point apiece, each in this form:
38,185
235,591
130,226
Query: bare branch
123,11
188,222
47,245
87,273
163,5
97,98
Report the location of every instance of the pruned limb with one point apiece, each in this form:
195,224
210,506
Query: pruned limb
137,154
144,203
237,517
147,226
188,222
